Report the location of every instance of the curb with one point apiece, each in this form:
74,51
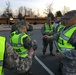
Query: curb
7,28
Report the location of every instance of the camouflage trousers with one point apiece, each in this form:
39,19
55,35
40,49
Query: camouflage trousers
68,71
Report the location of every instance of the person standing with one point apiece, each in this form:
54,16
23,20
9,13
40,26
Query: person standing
11,60
21,41
47,29
67,43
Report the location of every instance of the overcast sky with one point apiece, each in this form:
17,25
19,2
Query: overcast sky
39,4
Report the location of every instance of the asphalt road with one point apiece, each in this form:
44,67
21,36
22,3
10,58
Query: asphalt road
41,66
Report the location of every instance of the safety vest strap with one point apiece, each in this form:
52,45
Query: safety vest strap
1,63
19,39
17,45
65,49
64,37
70,28
48,28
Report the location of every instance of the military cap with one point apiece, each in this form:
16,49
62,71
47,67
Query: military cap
21,23
69,14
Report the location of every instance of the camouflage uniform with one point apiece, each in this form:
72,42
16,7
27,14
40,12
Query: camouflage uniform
69,62
68,58
14,62
46,42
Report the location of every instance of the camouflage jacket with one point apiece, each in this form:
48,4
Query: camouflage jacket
68,58
14,62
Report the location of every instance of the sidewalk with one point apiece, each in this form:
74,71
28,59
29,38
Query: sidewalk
38,26
7,27
4,27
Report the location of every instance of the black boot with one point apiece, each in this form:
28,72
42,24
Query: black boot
52,54
26,73
44,55
22,74
44,50
29,72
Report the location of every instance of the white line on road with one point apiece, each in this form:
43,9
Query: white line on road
44,66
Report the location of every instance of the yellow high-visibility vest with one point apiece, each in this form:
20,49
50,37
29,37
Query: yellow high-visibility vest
2,50
48,28
63,44
17,44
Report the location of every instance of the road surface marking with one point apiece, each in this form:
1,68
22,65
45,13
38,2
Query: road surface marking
44,66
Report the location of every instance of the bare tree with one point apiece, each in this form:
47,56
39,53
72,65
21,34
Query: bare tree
25,11
8,9
21,10
65,10
58,14
20,16
4,14
32,13
38,14
48,9
28,12
8,12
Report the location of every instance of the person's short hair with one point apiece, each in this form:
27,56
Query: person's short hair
69,15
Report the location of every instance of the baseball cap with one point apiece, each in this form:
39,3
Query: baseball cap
69,14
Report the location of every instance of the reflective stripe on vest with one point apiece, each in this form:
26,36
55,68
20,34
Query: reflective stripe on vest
2,46
65,37
17,43
64,49
19,39
63,43
48,28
